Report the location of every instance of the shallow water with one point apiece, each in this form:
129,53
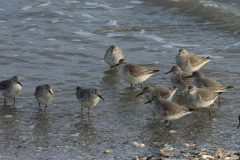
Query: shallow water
63,43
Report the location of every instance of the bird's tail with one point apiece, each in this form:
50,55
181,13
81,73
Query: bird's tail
190,109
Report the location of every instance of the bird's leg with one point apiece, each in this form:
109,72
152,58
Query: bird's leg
131,85
170,123
88,111
199,111
45,108
5,102
141,85
182,94
153,115
219,99
81,111
14,100
210,111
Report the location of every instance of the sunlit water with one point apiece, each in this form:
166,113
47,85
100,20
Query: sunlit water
63,43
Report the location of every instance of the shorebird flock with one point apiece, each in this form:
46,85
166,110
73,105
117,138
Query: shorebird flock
200,91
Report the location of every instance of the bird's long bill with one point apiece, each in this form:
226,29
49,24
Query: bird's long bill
100,97
238,126
148,102
140,94
188,77
176,56
115,65
50,92
19,83
168,72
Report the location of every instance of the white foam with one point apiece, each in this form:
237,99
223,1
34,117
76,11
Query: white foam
2,9
112,22
91,4
32,29
171,45
83,33
45,4
167,46
158,39
81,48
50,39
72,2
136,2
2,21
59,12
28,19
87,15
114,35
76,40
142,31
126,7
26,8
51,49
55,21
30,42
150,48
236,44
94,5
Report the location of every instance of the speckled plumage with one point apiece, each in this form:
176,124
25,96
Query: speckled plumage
167,109
113,55
200,98
11,88
166,92
190,62
88,97
44,94
133,73
178,79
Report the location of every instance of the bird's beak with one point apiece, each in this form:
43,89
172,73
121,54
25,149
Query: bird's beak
176,56
140,93
19,83
100,96
148,102
168,72
50,92
188,77
115,65
238,125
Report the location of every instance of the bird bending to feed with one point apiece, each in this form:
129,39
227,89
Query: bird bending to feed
167,109
133,73
11,88
200,98
207,83
44,94
88,97
113,55
166,92
190,62
178,79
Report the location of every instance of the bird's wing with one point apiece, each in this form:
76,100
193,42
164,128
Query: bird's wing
136,70
196,60
187,81
4,84
207,95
